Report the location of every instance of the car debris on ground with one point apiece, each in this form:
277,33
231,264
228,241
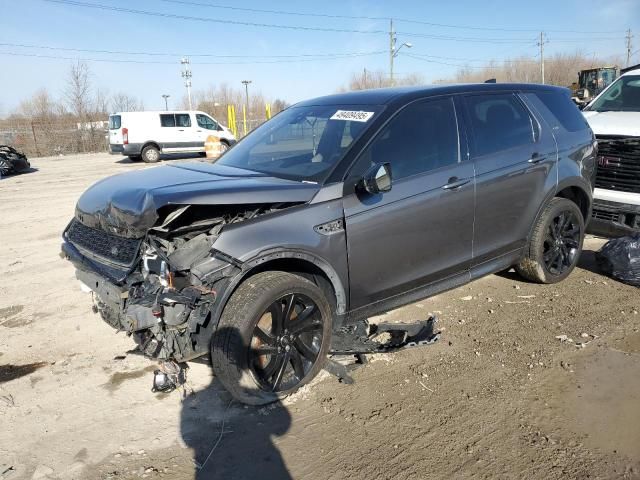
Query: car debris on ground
12,161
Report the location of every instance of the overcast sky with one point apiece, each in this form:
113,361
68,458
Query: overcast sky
64,25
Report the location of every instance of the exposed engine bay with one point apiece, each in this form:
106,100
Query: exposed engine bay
161,288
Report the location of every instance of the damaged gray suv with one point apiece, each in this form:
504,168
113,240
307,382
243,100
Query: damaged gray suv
337,209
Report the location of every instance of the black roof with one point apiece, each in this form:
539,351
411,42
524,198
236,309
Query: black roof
383,96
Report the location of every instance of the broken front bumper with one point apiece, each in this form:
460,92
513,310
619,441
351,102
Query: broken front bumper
613,219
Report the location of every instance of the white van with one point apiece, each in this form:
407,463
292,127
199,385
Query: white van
145,135
614,117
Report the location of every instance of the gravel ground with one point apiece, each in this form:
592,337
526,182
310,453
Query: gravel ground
500,396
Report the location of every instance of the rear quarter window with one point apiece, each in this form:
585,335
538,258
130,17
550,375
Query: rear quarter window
564,110
115,122
498,122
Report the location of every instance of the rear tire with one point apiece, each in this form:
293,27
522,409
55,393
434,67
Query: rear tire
555,244
150,154
258,351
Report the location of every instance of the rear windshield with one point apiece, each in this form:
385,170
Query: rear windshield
115,122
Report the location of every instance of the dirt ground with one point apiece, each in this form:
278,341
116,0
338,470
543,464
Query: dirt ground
500,396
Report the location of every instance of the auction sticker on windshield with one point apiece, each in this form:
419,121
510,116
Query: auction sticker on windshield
354,116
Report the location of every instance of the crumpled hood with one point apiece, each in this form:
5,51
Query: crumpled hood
614,123
127,204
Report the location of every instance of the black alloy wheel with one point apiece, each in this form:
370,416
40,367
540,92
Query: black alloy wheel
286,341
555,243
562,242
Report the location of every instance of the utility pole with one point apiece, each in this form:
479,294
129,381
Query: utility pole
246,109
541,45
365,79
629,37
186,74
392,49
166,105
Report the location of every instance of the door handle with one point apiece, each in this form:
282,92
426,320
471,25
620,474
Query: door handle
181,129
455,182
537,158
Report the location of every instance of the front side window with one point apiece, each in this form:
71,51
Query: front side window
302,143
206,122
422,137
622,96
498,122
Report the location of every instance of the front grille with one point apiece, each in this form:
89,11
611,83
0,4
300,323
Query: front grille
618,164
112,248
605,215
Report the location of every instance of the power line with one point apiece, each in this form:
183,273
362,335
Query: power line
208,19
364,17
287,27
474,67
209,55
462,59
153,62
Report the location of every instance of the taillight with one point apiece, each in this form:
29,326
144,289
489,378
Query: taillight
125,136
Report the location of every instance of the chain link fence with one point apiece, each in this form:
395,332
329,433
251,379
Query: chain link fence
53,137
58,136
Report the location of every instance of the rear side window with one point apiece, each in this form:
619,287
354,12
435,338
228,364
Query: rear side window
175,120
115,122
498,122
421,138
183,120
167,120
565,111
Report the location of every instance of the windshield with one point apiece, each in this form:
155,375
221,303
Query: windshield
622,96
302,143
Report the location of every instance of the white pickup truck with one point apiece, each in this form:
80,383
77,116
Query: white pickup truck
145,135
614,117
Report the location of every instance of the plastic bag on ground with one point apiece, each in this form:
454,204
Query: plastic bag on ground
620,259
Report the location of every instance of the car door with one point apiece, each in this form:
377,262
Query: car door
169,136
205,126
513,154
421,230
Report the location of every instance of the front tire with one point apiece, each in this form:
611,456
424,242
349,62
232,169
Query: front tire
555,244
273,337
150,154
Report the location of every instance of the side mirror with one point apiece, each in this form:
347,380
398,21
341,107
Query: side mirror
377,179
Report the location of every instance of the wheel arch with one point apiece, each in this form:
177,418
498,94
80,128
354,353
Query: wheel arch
578,196
572,190
298,262
151,143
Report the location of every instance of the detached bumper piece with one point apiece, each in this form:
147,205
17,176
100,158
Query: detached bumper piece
361,337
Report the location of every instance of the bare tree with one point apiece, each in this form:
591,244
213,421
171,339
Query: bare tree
78,91
378,79
122,102
560,69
